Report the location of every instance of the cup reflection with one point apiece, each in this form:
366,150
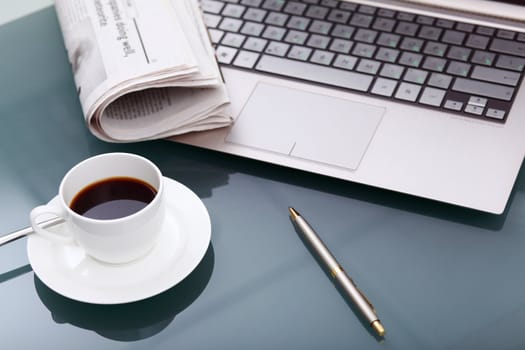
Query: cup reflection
130,321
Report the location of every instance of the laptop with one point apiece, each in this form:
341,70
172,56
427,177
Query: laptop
420,97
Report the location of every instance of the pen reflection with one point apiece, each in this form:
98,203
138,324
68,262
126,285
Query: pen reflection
131,321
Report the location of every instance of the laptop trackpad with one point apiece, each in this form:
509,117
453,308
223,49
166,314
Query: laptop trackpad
306,125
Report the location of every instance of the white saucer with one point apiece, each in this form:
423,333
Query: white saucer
184,240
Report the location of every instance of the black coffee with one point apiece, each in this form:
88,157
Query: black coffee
113,198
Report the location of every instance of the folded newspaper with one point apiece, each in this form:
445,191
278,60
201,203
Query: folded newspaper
144,69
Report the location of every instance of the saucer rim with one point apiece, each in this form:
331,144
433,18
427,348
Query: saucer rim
56,284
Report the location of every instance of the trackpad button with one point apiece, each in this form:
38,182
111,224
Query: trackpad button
306,125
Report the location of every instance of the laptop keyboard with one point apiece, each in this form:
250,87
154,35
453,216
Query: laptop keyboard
432,62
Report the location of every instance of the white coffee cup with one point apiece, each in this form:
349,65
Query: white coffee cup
115,240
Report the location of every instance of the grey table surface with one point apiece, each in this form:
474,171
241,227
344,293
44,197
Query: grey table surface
440,277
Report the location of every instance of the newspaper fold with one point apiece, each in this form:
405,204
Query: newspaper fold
144,69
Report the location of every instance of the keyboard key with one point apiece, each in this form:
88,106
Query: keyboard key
314,72
364,50
255,44
495,113
254,14
384,87
277,48
410,59
505,34
215,35
408,92
300,23
299,52
392,71
434,63
415,75
440,80
370,10
384,24
453,37
320,27
459,53
405,16
346,6
254,3
386,13
368,66
252,28
425,20
483,57
296,37
390,40
453,105
231,24
225,54
345,62
365,35
412,44
485,31
339,16
510,62
211,6
473,109
477,101
495,75
387,55
508,47
406,28
465,27
274,33
477,41
232,39
458,68
318,41
274,5
445,23
322,57
435,48
246,59
430,33
211,21
432,96
329,3
341,45
294,8
317,12
361,20
232,10
342,31
277,19
484,89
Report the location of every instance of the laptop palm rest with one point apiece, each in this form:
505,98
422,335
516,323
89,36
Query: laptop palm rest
306,125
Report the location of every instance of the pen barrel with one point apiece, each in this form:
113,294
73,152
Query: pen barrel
346,284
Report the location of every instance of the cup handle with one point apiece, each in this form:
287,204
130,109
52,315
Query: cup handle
46,210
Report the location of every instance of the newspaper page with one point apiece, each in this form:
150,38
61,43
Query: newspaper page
144,69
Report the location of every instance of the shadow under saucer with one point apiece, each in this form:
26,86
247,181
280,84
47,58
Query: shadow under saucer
130,321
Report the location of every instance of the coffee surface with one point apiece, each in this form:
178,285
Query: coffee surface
113,198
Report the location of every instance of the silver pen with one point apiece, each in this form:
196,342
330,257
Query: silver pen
338,274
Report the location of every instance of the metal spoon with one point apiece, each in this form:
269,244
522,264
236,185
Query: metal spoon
25,231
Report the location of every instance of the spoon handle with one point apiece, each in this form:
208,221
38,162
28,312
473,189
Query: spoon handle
13,236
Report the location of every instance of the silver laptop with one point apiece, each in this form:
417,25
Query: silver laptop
421,97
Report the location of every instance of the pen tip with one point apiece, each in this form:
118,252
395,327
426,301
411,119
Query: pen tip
378,327
293,212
